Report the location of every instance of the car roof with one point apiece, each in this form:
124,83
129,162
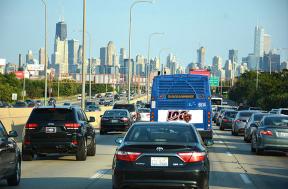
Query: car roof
59,107
117,110
275,115
160,124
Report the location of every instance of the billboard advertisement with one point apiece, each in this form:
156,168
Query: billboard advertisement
19,74
200,72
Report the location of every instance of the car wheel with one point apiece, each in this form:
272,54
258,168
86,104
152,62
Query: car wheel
245,138
221,128
27,156
235,133
81,153
91,151
14,180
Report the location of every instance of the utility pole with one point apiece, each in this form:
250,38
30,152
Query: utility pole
83,56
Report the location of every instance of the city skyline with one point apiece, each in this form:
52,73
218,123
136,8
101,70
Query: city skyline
184,34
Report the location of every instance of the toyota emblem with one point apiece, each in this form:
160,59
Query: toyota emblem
159,149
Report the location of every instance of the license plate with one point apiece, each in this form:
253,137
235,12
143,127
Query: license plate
281,134
159,161
50,129
114,121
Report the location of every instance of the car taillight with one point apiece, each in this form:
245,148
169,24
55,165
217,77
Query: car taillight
124,119
72,125
268,133
127,156
225,120
31,125
190,157
237,120
27,141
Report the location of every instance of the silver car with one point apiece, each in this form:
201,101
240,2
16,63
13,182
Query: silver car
240,121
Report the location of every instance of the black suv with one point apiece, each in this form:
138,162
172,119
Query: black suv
10,157
63,129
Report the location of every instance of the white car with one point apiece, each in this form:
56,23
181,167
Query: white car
144,114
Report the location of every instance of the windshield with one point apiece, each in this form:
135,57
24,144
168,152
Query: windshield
258,117
129,107
161,134
230,114
245,114
115,114
51,114
276,121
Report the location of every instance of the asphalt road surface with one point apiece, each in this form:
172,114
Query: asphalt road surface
232,166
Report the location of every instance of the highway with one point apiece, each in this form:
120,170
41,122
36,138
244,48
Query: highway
232,166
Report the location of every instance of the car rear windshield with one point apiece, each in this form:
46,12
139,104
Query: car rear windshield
285,112
276,121
129,107
115,114
177,134
258,117
142,110
230,114
51,114
245,114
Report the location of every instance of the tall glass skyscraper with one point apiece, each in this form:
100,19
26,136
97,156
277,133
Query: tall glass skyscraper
61,31
259,41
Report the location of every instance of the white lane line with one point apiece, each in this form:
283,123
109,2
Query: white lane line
221,142
228,154
245,178
99,174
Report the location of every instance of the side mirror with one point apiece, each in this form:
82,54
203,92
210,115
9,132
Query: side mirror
92,119
119,140
101,115
12,134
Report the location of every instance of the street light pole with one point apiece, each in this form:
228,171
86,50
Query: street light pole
45,67
83,56
129,51
149,66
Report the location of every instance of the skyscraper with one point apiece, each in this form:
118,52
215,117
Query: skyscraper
201,57
103,56
60,57
73,46
111,52
216,66
41,56
267,43
61,30
29,57
122,56
259,41
233,55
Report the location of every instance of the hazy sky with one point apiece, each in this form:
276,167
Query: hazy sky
218,25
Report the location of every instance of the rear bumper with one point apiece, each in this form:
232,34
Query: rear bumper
191,178
273,144
114,127
50,147
226,125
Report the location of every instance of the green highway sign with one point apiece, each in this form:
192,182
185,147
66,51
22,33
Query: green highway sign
214,81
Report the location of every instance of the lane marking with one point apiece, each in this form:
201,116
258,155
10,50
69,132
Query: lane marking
245,178
228,154
99,174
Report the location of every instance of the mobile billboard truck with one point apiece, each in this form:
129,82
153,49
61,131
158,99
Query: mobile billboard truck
183,98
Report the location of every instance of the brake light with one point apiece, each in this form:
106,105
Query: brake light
74,142
190,157
127,156
267,133
124,119
27,141
237,120
225,120
31,125
72,125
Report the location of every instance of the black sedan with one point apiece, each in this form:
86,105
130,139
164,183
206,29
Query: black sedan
271,134
161,154
10,157
115,120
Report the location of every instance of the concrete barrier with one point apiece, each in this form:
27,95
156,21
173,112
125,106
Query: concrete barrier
16,118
